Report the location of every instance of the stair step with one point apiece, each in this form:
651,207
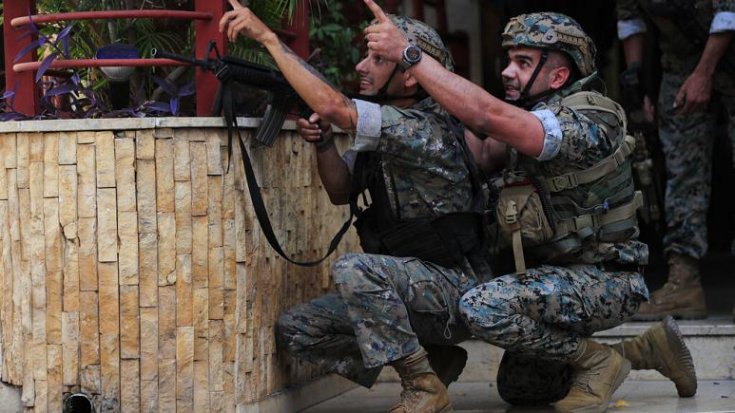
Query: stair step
482,397
711,342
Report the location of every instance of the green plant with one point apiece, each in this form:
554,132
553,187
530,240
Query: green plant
336,38
330,31
274,13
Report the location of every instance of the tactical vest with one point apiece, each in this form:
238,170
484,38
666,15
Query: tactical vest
455,239
544,215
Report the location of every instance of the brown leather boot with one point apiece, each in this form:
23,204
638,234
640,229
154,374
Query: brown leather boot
423,392
447,361
681,297
598,372
662,348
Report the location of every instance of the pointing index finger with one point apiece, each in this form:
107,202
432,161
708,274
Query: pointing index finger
235,4
377,11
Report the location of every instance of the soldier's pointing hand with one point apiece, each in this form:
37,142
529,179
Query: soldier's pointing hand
383,37
241,20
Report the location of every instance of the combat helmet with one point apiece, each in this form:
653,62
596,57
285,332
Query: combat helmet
554,31
426,38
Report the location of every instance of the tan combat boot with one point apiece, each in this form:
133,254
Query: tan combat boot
598,372
681,297
447,361
662,348
423,392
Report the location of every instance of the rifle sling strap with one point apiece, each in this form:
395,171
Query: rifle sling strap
254,189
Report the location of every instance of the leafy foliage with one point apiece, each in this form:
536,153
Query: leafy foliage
82,92
336,38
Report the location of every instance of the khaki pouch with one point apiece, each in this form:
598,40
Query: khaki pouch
522,220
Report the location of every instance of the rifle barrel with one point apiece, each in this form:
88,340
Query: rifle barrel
181,58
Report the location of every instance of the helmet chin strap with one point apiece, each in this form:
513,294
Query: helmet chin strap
526,100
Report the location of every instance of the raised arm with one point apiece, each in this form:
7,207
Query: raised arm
476,108
317,92
333,170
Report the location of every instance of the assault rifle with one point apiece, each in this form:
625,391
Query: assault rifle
231,70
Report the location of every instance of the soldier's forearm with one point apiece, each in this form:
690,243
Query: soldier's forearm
314,89
717,45
633,48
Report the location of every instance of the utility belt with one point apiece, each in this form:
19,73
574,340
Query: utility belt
448,240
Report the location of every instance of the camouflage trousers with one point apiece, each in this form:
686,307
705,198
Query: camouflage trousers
384,309
539,319
687,142
547,311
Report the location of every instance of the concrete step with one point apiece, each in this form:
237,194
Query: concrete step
711,342
634,396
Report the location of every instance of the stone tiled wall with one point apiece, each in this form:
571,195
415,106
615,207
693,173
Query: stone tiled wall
133,269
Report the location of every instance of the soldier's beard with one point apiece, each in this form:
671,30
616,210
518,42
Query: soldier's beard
512,90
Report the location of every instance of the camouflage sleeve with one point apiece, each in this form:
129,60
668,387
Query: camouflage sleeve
583,142
723,5
552,134
369,122
409,131
628,10
724,18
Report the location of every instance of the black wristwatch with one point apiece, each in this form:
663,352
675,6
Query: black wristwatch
411,56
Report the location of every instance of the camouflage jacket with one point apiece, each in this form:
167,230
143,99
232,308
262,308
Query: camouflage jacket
683,27
421,161
575,141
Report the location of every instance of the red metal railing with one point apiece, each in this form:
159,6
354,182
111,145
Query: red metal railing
206,16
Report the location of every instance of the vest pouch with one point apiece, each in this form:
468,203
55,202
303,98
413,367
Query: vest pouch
520,208
522,220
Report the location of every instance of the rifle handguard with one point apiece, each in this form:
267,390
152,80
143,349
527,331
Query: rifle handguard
250,74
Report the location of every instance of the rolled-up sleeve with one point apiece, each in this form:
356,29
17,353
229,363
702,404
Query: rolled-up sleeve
627,28
723,22
369,122
552,134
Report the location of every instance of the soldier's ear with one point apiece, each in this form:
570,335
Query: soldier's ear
409,81
558,77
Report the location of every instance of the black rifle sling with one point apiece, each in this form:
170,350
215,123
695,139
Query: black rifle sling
254,189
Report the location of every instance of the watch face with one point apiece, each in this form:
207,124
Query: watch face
413,53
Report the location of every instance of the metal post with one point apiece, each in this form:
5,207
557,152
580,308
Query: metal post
300,28
206,31
26,93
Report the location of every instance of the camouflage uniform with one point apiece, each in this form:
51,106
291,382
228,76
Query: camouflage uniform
686,140
386,306
579,283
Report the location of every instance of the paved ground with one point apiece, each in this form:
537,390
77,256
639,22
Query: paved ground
634,396
631,397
